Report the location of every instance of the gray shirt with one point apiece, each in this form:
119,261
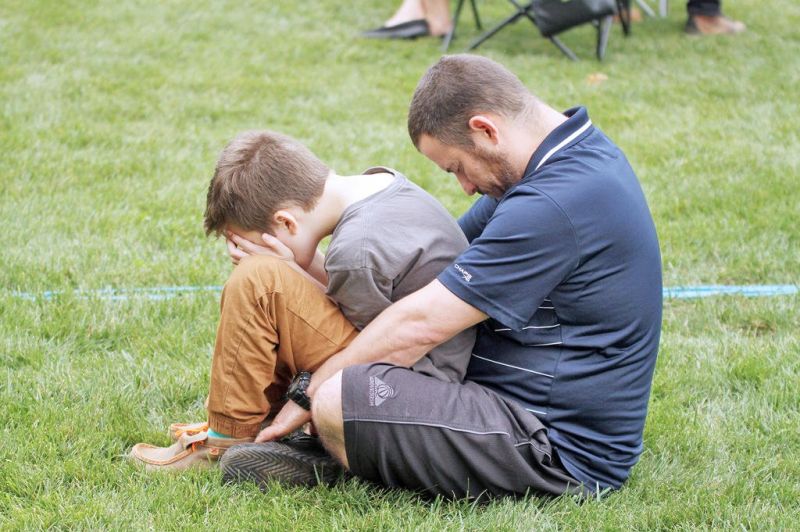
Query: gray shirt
389,245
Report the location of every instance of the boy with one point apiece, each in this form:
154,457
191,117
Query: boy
275,201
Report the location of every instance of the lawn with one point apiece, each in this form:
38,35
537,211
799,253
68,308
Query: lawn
113,114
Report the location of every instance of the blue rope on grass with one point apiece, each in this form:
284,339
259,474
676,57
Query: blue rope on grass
159,293
155,293
694,292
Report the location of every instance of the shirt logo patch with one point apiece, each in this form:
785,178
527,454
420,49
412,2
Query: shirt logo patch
464,273
379,391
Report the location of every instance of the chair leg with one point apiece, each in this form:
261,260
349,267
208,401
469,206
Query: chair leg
663,7
603,32
553,39
563,47
624,14
475,14
450,34
489,34
646,8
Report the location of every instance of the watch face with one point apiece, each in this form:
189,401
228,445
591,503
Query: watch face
297,390
299,384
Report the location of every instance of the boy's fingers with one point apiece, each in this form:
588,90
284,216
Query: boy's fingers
247,245
277,247
234,251
273,432
230,245
251,247
239,241
291,417
270,242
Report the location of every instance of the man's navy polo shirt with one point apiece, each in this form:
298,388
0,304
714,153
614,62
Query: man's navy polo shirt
567,266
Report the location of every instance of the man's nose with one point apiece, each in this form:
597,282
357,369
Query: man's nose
468,187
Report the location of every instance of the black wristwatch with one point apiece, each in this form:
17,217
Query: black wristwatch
297,390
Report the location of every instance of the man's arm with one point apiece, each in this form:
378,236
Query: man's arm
400,335
405,331
475,219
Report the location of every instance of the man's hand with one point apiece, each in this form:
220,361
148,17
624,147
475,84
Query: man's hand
239,247
291,417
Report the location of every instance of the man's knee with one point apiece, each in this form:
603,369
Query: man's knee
327,404
327,416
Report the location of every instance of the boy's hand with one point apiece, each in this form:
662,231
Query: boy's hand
239,247
291,417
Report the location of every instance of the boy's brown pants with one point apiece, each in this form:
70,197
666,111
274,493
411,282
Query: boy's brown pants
274,323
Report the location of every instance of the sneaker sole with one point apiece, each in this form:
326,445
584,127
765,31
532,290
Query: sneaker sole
263,462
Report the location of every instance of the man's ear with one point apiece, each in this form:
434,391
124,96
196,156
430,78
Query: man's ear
285,219
485,127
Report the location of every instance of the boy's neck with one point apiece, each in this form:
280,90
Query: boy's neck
340,193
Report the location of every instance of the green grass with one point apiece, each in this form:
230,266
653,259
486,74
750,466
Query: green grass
112,116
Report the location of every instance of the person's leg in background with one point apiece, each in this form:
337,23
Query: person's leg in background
415,18
408,10
706,18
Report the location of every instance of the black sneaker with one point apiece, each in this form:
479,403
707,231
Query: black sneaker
297,460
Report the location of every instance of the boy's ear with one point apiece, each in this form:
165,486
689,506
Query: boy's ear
286,220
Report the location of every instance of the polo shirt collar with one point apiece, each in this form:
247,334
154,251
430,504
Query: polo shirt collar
577,126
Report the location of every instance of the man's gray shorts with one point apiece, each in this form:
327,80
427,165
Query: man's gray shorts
404,429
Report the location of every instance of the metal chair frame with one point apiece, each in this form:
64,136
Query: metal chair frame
524,11
449,37
663,8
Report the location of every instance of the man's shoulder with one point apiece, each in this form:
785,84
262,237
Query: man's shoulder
588,170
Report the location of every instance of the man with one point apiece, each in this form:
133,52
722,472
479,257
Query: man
563,272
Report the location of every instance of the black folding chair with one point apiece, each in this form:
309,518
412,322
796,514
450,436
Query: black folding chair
526,10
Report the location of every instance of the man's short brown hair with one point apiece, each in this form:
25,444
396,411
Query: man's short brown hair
457,88
259,173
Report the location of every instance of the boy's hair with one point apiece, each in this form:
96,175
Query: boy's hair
457,88
259,173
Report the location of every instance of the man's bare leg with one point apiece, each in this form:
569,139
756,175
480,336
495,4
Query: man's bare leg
328,420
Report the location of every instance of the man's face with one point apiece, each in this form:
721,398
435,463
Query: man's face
478,169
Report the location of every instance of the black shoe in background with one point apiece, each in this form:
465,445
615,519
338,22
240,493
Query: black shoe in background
407,30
